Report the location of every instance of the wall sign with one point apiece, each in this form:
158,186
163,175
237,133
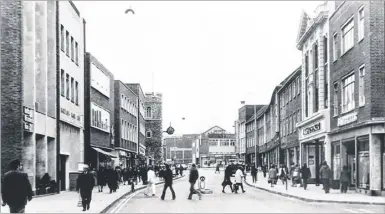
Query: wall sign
28,119
100,81
346,119
311,129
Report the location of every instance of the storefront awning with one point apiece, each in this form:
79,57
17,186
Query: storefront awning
104,152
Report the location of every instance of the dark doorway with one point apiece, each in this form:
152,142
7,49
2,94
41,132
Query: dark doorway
62,172
351,162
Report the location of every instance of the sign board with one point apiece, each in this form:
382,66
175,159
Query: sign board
346,119
28,119
311,129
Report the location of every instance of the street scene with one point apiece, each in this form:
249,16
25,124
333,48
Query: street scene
192,106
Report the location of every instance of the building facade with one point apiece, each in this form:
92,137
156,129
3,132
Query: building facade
250,140
289,95
154,129
312,40
28,88
179,149
126,125
98,114
357,85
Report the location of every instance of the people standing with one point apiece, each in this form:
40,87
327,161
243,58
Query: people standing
239,177
194,175
101,179
181,170
227,179
325,175
168,182
264,171
282,173
85,184
344,178
16,189
151,182
306,174
272,176
254,173
112,180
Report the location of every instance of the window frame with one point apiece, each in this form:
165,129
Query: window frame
336,104
345,106
67,43
361,24
335,45
361,85
62,83
62,38
68,87
349,22
72,90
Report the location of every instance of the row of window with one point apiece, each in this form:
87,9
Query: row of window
128,105
348,100
97,121
128,144
290,93
213,142
68,45
69,88
129,131
288,125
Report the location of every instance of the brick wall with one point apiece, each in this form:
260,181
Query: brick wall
11,82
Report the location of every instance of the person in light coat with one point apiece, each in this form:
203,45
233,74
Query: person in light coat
239,176
151,179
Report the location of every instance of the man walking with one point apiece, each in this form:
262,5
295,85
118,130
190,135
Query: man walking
16,188
254,173
227,180
168,183
306,174
151,182
85,184
194,175
325,175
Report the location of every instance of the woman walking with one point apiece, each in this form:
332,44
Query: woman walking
306,174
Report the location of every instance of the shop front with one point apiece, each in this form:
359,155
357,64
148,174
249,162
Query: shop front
313,141
101,158
361,150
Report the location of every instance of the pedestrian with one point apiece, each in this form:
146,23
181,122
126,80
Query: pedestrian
254,173
325,176
135,174
85,184
144,175
194,175
227,179
101,179
282,173
181,170
217,169
306,174
151,182
272,176
296,176
239,177
168,183
16,189
264,171
112,180
176,169
344,178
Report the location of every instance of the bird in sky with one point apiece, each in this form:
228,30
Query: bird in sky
130,10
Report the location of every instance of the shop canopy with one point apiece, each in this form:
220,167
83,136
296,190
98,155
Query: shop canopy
104,152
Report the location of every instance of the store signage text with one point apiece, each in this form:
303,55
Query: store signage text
346,119
312,129
69,114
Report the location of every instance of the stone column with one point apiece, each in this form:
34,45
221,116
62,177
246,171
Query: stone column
375,162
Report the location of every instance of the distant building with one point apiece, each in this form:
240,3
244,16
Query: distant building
179,149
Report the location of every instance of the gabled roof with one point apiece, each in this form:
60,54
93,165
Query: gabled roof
212,129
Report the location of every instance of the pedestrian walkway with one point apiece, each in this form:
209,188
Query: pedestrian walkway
66,202
314,193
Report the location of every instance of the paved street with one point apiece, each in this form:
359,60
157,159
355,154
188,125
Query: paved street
253,201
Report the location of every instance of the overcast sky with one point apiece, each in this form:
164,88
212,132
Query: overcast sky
204,57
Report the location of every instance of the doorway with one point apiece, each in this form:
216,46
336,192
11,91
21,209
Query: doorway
351,162
62,172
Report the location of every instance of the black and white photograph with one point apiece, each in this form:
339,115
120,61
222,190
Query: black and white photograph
192,106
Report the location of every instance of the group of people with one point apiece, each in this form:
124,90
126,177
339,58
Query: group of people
239,177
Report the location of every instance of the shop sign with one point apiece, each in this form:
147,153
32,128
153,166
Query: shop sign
346,119
311,129
142,151
28,119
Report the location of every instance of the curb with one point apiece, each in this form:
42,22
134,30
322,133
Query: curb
313,200
105,210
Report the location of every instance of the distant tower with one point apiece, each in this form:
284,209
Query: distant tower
154,129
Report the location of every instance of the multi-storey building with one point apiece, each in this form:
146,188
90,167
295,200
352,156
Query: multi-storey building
71,97
179,148
357,93
28,88
154,130
217,146
312,40
250,140
98,114
126,125
289,95
137,89
261,140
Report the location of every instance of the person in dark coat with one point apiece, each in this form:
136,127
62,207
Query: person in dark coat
306,174
112,180
344,179
16,189
194,175
168,183
135,175
227,179
264,171
325,175
102,177
85,184
254,173
125,176
144,174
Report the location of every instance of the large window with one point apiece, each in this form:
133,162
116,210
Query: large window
347,36
62,37
76,53
336,155
148,112
72,89
101,118
72,49
335,100
361,25
348,102
363,162
335,37
315,56
76,93
68,86
361,83
67,43
62,83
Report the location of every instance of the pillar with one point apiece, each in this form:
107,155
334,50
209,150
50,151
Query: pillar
51,158
328,150
343,154
29,158
41,155
295,155
375,162
288,157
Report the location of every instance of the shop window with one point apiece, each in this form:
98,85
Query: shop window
336,161
363,162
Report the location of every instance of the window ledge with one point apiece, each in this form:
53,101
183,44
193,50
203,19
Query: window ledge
342,55
361,105
360,40
347,112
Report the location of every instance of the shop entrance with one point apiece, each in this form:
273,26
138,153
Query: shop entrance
350,161
62,172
